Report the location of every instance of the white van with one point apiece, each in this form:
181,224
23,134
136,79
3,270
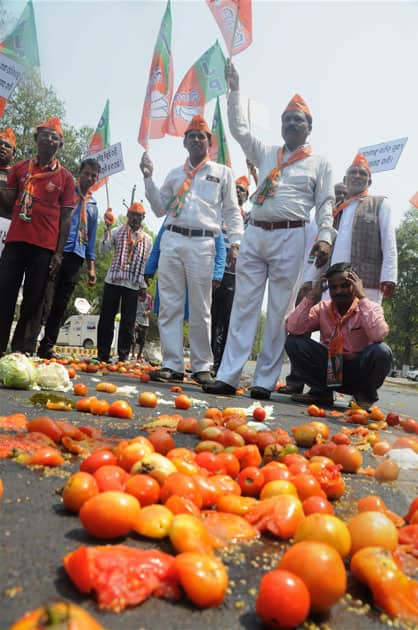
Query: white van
81,331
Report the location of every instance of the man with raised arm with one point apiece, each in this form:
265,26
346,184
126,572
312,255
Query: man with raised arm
198,198
291,181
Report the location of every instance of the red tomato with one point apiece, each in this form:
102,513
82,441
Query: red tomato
96,460
99,407
122,576
110,514
84,404
259,414
161,441
273,474
283,600
78,489
183,486
251,480
120,409
230,463
110,477
210,462
144,488
321,568
225,485
80,389
181,505
317,505
187,425
203,578
45,456
392,419
148,399
280,515
208,490
182,402
248,455
307,486
410,425
47,426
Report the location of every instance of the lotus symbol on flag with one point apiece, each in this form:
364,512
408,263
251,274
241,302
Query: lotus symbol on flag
186,112
159,104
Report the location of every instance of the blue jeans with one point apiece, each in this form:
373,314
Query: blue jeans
362,375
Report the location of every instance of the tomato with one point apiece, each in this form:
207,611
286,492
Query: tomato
148,399
210,446
317,505
133,453
233,504
59,614
99,407
188,533
187,425
183,486
412,509
251,480
203,578
327,529
230,463
84,404
275,473
279,515
376,413
110,514
210,462
321,569
305,435
372,529
109,388
315,411
381,448
96,460
349,457
47,426
161,441
110,477
392,419
283,601
226,528
392,590
225,485
181,505
248,455
144,488
340,438
307,486
410,425
120,409
153,521
209,491
276,487
122,576
155,465
182,402
259,414
45,456
234,411
321,428
1,488
78,489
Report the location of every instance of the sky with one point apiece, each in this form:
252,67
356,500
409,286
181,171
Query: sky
353,62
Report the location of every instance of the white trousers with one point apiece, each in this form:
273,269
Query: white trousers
186,264
276,256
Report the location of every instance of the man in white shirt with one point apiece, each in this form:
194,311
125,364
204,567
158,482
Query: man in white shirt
292,182
198,198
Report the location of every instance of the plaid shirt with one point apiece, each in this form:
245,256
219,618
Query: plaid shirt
122,272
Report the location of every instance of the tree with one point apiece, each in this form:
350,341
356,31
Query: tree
401,311
31,103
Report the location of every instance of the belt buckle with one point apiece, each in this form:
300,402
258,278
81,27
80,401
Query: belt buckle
271,225
287,224
188,232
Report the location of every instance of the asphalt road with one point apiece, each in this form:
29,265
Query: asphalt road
35,530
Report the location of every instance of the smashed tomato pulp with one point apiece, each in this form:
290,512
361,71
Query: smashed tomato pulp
122,576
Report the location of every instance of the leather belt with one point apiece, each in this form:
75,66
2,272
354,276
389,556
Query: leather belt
277,225
189,232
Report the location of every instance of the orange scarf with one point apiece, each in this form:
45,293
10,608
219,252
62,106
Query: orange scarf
82,224
338,209
26,198
176,204
336,344
133,242
268,186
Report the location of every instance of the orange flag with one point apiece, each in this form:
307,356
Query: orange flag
234,18
414,200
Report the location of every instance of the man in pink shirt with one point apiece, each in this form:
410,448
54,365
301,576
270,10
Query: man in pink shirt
351,357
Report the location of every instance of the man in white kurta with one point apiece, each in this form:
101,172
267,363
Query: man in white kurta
292,182
380,222
196,211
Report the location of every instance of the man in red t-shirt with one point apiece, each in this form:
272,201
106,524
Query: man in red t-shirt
39,198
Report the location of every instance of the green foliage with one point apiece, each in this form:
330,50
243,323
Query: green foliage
31,103
401,311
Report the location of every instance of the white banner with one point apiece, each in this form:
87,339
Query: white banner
10,74
384,156
110,160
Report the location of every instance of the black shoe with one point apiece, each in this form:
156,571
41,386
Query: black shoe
219,387
45,353
315,398
290,389
260,393
203,378
165,375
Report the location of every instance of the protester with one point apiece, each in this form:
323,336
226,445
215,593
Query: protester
7,153
351,357
80,245
143,311
223,295
366,233
40,197
197,197
292,182
294,382
124,279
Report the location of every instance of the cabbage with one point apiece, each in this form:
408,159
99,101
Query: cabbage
53,376
17,371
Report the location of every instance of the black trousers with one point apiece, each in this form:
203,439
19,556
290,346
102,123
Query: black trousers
112,296
222,300
55,304
20,260
140,338
362,375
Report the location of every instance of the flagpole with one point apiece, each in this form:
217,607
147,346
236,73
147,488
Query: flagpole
107,194
234,33
249,127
